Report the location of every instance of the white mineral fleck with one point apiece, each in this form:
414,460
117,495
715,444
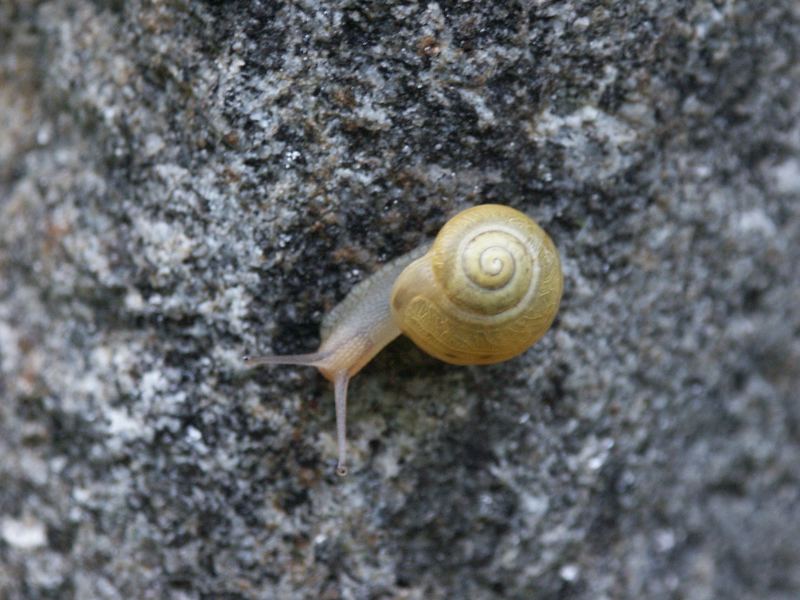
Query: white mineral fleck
26,533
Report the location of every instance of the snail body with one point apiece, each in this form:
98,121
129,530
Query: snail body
484,291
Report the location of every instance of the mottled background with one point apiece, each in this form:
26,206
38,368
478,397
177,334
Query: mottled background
184,182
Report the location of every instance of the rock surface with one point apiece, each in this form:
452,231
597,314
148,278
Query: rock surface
184,182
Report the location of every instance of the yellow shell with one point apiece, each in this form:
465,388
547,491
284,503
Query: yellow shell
487,289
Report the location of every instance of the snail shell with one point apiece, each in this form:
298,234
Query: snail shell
487,289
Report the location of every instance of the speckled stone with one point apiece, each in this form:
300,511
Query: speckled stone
185,182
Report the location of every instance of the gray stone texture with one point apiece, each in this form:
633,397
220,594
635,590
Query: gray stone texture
184,182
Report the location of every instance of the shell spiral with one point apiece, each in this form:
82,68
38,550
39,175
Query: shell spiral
488,288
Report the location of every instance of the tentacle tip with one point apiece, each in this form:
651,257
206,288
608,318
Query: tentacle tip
341,471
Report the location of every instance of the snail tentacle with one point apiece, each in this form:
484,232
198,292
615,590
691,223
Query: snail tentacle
311,359
340,395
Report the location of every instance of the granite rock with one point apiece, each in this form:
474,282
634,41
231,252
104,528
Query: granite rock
185,182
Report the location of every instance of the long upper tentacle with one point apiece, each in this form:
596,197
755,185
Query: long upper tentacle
340,387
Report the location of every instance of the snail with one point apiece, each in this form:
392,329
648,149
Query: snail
482,292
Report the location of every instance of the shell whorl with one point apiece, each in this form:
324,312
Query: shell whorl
489,288
486,265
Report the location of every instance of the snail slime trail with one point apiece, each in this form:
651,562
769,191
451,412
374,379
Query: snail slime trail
484,291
